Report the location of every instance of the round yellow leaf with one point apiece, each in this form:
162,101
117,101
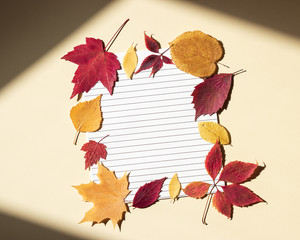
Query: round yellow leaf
211,132
196,53
86,116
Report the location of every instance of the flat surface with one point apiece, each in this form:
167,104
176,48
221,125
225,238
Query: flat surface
40,163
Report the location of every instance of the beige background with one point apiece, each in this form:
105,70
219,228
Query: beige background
39,163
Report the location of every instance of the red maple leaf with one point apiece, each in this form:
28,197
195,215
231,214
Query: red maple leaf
235,172
148,194
153,61
94,151
94,64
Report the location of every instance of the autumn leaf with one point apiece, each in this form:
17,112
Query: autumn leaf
213,161
226,195
196,189
174,187
196,53
107,196
94,64
209,96
148,194
153,61
212,132
86,116
94,151
130,61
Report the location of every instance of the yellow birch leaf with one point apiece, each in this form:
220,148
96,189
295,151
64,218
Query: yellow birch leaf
196,53
130,61
174,187
211,132
86,116
108,197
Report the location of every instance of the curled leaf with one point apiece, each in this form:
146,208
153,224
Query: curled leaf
174,187
86,116
151,44
148,194
196,189
130,61
196,53
212,132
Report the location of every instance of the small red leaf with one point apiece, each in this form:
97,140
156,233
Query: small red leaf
94,151
151,44
213,161
221,203
167,60
237,172
148,194
94,64
196,189
240,196
210,95
157,65
148,62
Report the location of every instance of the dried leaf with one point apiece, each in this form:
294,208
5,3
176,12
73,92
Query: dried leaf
94,151
212,132
209,96
221,203
151,44
213,161
94,64
86,116
196,53
174,187
237,172
196,189
107,196
148,62
148,194
130,61
240,196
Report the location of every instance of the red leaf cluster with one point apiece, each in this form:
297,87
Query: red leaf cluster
153,61
148,194
94,64
235,172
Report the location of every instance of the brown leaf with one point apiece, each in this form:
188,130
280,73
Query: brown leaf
196,53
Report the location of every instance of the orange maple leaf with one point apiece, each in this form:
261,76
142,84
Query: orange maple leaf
108,197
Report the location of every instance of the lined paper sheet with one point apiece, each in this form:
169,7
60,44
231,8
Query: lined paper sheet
151,127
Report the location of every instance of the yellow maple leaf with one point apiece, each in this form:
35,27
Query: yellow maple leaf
108,197
196,53
130,61
174,187
211,132
86,116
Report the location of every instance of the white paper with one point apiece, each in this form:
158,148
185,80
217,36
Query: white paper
152,128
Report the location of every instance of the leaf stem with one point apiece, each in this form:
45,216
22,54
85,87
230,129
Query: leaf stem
223,65
207,205
166,50
76,137
103,138
111,41
239,72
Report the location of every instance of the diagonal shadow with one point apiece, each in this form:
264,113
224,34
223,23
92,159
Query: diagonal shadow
280,15
30,28
14,228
